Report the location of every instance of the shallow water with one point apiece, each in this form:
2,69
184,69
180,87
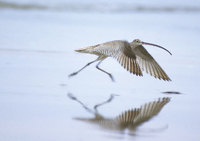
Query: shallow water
37,55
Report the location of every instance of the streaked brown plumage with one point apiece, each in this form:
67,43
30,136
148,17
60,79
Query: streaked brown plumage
132,56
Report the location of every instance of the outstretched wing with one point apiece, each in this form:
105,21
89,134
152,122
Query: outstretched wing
147,63
121,51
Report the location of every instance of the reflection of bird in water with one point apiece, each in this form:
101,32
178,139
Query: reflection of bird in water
132,56
129,119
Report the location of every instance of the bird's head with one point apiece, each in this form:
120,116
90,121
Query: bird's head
137,42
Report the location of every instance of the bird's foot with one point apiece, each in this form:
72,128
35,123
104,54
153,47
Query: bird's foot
75,73
111,77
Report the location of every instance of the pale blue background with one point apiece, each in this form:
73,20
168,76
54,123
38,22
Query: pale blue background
37,55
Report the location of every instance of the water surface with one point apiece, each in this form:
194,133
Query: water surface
37,55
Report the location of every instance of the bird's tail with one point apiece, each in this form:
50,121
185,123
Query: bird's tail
85,50
82,50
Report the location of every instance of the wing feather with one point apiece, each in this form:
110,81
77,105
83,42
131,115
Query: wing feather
149,64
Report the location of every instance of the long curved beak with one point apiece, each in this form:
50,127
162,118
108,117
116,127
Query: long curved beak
145,43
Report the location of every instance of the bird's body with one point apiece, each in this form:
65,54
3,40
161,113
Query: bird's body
132,56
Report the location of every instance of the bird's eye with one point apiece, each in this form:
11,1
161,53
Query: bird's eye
137,41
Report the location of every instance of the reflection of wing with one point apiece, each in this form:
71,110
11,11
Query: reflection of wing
133,118
147,63
121,51
129,119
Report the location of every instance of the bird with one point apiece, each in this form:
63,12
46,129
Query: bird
129,119
131,55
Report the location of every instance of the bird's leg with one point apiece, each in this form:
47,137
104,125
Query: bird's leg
107,101
75,73
110,75
84,106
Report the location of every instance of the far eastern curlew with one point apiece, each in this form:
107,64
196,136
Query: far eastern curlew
132,56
